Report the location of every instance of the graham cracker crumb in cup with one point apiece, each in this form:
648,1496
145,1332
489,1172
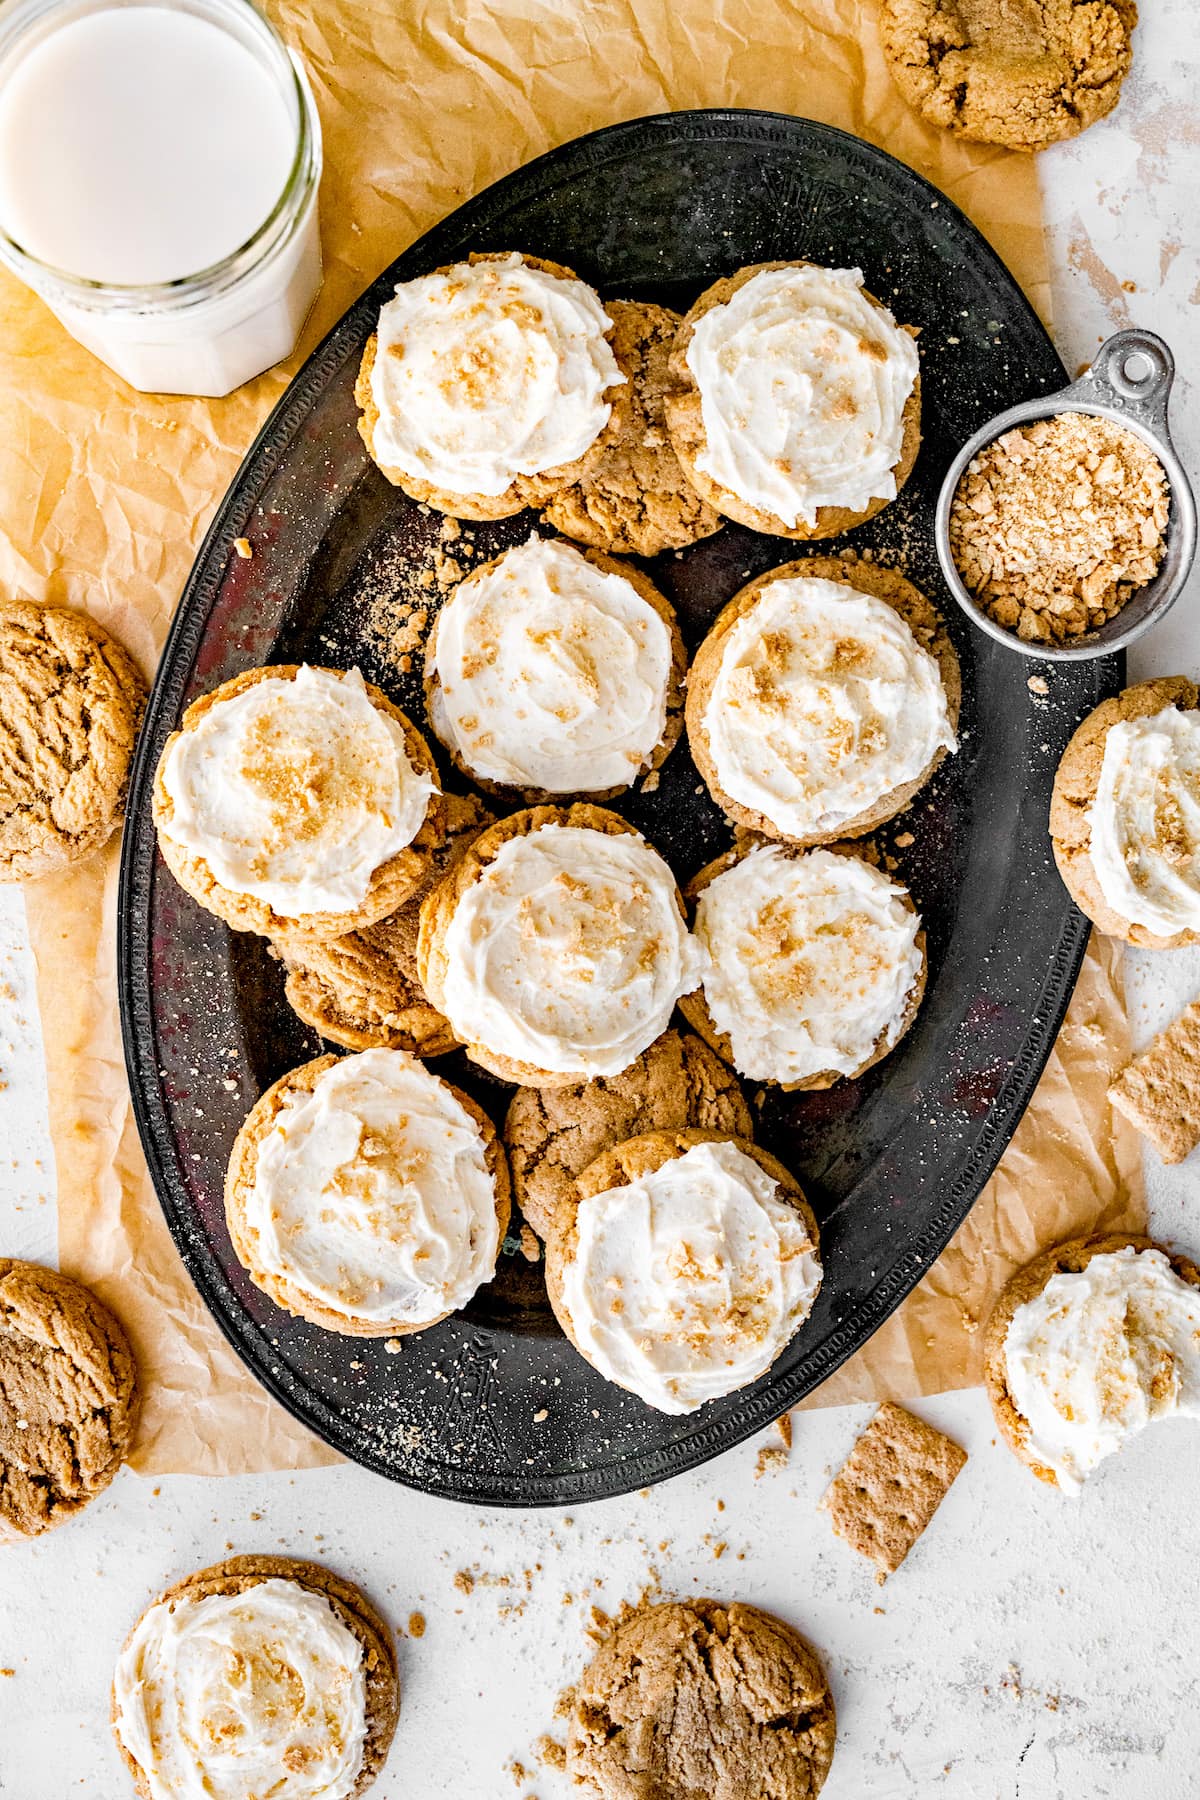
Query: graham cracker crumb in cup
1056,524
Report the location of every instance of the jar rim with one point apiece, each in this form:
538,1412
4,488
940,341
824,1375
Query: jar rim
263,243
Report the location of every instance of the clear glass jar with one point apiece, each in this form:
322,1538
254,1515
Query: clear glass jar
208,332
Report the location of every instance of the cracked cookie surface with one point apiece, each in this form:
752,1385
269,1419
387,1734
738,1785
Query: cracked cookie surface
694,1700
635,498
1021,73
68,1398
71,702
552,1134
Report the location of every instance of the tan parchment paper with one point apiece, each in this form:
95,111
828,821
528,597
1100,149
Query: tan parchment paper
105,495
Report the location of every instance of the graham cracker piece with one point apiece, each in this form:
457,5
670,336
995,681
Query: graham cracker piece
890,1485
1159,1091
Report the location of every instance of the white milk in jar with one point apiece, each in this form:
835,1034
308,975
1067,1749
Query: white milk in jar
159,164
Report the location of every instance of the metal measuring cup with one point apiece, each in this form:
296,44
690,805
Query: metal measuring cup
1139,402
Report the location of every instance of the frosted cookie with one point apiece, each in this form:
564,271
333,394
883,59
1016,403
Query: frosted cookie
693,1697
68,1398
1022,75
1086,1346
1125,814
798,409
362,990
1159,1091
367,1195
822,700
490,385
555,671
635,498
557,946
262,1675
683,1266
890,1486
295,799
71,702
552,1134
815,964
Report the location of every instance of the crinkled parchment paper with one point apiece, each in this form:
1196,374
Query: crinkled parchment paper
105,495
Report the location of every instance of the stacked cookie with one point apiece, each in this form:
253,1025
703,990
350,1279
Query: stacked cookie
536,929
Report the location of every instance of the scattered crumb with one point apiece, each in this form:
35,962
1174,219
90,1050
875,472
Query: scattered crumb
651,782
550,1753
719,1550
1037,684
904,840
783,1426
539,1418
243,548
8,1673
394,1346
416,1625
464,1581
773,1456
517,1771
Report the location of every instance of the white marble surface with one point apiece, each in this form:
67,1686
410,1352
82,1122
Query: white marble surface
1031,1649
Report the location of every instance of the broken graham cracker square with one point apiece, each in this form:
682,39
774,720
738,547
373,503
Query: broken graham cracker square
1159,1091
890,1486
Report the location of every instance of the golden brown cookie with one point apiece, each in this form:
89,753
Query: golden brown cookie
890,1486
552,1134
362,991
526,490
71,701
438,907
685,421
1074,791
1026,1285
696,1700
236,1575
646,590
68,1398
1159,1091
239,1181
1022,73
390,885
624,1163
635,499
694,1006
922,619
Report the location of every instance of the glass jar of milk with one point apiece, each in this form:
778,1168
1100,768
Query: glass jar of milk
159,165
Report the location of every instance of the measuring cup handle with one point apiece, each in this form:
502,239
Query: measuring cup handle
1143,396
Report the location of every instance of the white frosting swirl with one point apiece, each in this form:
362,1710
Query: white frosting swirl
568,952
688,1283
823,704
802,384
552,673
372,1194
296,792
811,961
489,371
1101,1353
241,1696
1145,821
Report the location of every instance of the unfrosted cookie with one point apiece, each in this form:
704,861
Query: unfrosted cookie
68,1398
297,800
1112,1347
797,409
682,1265
556,946
1163,817
694,1698
262,1674
555,671
1159,1091
490,385
71,702
367,1195
822,700
552,1134
635,498
816,963
1022,73
362,991
890,1486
